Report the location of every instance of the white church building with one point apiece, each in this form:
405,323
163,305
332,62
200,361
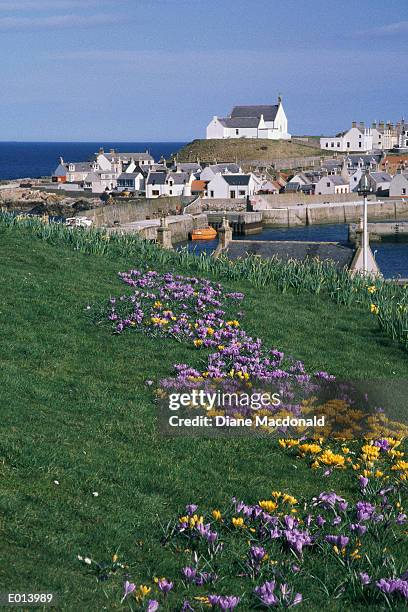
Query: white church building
262,121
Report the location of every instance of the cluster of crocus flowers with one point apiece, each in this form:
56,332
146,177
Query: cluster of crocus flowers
269,537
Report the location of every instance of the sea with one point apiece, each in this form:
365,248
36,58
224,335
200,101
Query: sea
37,159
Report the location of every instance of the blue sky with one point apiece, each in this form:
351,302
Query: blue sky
149,70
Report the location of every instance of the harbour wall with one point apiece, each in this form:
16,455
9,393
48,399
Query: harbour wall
180,227
332,213
122,213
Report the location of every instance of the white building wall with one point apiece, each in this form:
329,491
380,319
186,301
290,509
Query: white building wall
399,185
215,129
353,140
217,187
161,189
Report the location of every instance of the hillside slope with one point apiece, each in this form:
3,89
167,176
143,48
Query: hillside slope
244,150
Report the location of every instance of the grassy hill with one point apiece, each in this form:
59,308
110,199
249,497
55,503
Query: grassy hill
78,419
245,150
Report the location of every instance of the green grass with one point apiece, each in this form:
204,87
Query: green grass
245,150
74,408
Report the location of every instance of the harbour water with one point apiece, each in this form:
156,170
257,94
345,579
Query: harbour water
392,257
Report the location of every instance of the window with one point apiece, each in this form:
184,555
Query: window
338,144
232,194
327,145
327,184
359,145
404,191
170,192
155,192
332,144
348,145
237,132
211,194
242,192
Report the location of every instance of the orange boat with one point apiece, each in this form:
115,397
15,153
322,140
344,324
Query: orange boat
207,233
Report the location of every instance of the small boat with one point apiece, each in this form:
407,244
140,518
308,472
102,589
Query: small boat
206,233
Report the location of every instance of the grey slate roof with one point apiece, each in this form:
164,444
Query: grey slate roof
292,187
156,178
381,177
268,111
179,178
339,254
91,177
127,156
239,122
80,166
189,167
61,170
237,179
234,168
128,175
336,179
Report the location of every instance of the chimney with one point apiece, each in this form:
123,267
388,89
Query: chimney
362,125
354,124
381,125
373,125
61,160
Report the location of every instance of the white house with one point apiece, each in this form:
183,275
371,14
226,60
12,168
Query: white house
213,169
156,184
385,136
259,121
100,181
118,161
179,183
73,172
232,186
357,138
379,182
403,135
334,184
131,181
399,185
168,184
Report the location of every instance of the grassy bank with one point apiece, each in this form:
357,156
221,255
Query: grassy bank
244,150
75,409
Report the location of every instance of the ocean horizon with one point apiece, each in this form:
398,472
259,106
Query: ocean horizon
33,159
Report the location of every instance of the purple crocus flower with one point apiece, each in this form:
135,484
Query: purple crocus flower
189,573
224,602
191,508
128,588
164,585
340,540
383,444
320,521
360,529
297,599
363,481
186,606
257,553
364,578
152,605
